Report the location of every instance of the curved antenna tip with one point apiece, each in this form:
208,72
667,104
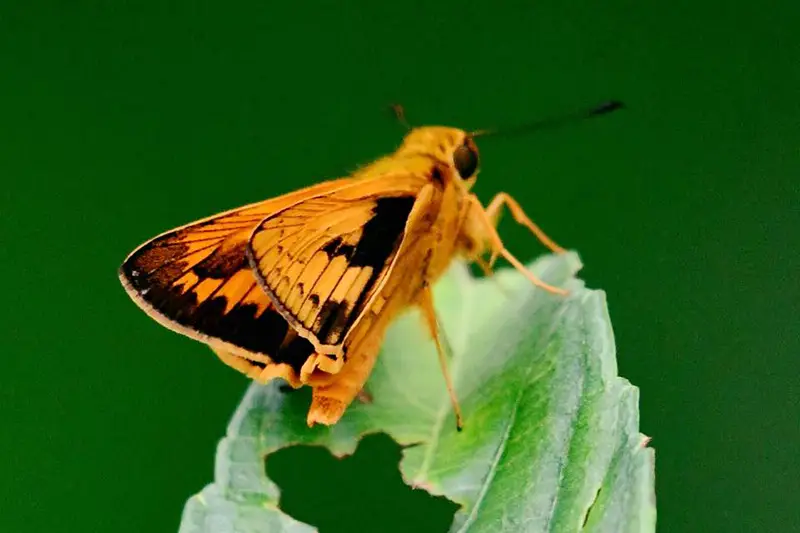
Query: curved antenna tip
607,107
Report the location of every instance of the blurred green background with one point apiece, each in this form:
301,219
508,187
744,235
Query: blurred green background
119,120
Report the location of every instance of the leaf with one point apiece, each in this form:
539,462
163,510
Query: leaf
551,441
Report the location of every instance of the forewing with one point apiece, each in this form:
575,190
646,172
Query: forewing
197,281
322,259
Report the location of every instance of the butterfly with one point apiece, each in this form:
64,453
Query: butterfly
303,286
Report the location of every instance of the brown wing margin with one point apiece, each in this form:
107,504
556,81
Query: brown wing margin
196,281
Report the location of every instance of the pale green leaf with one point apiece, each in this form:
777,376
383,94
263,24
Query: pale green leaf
551,441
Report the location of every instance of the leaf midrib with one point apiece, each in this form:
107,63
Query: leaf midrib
501,447
487,481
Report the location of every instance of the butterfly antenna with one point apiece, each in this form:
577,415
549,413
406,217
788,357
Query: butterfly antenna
603,108
400,115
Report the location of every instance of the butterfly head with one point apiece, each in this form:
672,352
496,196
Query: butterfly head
452,148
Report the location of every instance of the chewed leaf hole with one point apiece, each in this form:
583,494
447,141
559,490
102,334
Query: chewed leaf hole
362,492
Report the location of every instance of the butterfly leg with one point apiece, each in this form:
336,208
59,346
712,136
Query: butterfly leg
498,248
258,371
364,396
429,314
493,214
238,363
483,265
471,247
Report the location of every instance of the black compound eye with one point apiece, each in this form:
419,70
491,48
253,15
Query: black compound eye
465,159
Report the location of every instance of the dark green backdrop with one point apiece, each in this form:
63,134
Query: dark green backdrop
119,120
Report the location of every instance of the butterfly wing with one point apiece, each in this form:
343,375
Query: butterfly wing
196,280
324,258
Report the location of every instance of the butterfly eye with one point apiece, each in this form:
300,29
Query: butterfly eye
465,159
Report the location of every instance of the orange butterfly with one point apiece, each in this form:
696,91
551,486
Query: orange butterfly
303,286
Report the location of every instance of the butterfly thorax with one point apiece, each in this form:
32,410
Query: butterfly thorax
424,151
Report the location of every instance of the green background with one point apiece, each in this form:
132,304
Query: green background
119,120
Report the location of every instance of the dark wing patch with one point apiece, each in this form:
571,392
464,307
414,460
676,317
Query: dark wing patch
381,234
322,259
198,278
